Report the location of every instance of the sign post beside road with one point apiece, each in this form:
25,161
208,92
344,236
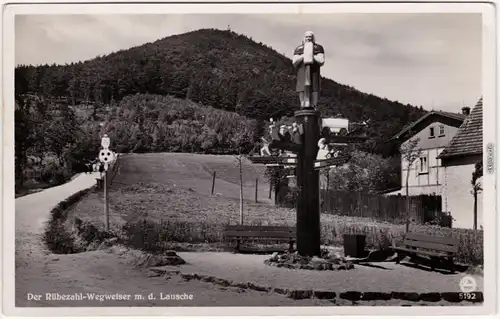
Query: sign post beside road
312,152
106,156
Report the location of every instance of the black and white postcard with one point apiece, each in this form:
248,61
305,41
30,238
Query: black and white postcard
290,159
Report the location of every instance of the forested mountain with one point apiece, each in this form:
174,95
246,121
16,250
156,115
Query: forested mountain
214,68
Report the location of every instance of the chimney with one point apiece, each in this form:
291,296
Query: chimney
466,110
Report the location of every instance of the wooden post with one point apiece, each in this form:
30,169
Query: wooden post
241,191
270,189
213,183
106,211
256,189
327,201
475,209
276,190
308,220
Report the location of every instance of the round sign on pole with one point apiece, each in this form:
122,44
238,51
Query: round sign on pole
106,156
105,141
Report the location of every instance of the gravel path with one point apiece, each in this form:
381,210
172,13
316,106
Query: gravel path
39,272
250,268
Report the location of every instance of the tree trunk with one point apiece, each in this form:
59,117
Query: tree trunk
408,206
241,192
327,201
276,190
475,209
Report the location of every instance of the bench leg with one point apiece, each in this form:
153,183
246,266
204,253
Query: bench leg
451,265
398,257
290,247
237,249
433,263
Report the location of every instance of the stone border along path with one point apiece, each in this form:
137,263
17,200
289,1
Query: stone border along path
297,294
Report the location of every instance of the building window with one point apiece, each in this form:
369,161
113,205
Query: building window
431,132
441,130
424,166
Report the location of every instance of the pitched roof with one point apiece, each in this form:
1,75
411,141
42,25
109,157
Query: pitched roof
455,118
469,138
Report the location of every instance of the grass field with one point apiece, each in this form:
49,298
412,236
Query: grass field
173,193
193,171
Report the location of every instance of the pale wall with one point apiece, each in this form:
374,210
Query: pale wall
430,183
439,141
457,197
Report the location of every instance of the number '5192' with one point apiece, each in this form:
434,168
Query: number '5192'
467,295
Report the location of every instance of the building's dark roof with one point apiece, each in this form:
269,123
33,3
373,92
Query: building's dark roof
469,138
456,119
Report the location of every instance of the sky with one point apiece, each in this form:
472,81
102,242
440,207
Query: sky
432,59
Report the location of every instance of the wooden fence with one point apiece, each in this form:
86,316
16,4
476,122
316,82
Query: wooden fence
423,208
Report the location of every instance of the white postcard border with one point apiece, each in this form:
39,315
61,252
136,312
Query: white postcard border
489,136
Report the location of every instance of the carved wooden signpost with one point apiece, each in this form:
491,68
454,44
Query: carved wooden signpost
309,160
304,139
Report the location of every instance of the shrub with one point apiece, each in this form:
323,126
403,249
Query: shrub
151,236
57,238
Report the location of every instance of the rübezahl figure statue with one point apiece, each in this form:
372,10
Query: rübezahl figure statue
307,60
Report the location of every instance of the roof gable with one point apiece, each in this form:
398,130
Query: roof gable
469,138
448,118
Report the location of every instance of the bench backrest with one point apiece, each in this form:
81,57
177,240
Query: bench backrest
234,231
438,243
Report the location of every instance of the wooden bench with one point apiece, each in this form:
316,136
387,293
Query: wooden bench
436,247
241,233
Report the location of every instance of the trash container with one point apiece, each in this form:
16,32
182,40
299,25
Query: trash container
354,245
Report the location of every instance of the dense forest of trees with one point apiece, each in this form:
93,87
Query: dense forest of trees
214,68
54,140
51,141
145,123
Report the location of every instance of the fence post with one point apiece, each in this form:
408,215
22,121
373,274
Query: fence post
213,183
256,189
408,214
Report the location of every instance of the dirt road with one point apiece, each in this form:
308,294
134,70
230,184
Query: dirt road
42,278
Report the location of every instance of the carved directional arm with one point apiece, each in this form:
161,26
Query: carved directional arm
332,161
286,146
288,161
344,139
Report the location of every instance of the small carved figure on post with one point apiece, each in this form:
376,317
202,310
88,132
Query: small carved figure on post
323,152
264,151
297,131
308,58
285,133
273,131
